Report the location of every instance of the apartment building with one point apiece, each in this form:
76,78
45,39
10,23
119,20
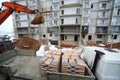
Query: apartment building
72,20
22,21
114,30
100,18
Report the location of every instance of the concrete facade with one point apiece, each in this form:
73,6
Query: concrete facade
72,20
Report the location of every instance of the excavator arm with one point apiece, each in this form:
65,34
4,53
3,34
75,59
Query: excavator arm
10,7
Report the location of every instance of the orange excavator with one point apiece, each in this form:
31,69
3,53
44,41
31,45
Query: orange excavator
10,7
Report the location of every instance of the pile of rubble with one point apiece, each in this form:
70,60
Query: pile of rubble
68,44
27,43
104,44
114,45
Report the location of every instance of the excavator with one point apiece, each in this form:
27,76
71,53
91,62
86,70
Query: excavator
10,7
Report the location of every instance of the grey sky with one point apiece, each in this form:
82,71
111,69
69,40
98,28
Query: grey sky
7,25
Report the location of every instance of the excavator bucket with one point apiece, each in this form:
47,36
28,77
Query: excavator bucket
39,19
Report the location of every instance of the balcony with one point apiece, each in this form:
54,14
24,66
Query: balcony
102,15
116,14
70,22
115,23
105,6
55,1
22,32
70,3
117,4
102,31
32,3
70,30
102,23
86,5
31,25
73,11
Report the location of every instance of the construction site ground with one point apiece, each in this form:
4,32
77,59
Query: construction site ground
22,68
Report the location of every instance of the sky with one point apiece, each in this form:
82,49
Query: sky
7,26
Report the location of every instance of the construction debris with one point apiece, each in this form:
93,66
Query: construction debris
68,44
114,45
27,43
103,44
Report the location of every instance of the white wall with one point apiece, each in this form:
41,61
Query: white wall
108,5
71,10
71,1
92,30
70,20
23,17
115,21
22,24
114,40
100,22
106,15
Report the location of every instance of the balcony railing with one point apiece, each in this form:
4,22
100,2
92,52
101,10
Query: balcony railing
70,31
103,16
115,13
115,23
22,32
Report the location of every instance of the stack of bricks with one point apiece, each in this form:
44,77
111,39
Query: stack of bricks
50,62
74,64
54,66
65,63
43,64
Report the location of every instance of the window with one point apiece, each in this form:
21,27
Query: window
62,37
89,37
104,5
78,11
65,37
103,14
55,7
92,6
114,36
56,23
62,29
62,11
118,13
77,21
99,36
75,38
62,2
86,5
55,15
103,22
83,36
62,21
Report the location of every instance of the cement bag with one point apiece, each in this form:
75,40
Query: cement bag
39,19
